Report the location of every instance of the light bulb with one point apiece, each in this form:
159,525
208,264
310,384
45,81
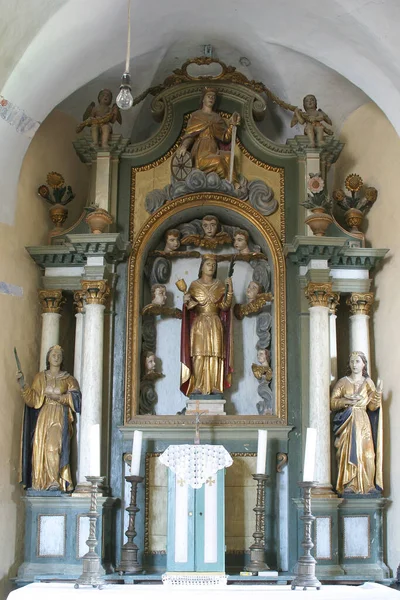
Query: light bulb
125,98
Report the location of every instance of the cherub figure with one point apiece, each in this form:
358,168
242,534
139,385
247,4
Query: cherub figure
263,370
100,118
241,241
256,299
149,363
316,121
212,236
263,373
157,305
172,240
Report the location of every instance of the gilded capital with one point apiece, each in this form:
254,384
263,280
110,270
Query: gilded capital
79,297
318,294
95,291
360,304
333,302
51,300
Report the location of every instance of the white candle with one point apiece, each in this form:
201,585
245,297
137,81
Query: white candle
309,455
95,450
136,452
261,451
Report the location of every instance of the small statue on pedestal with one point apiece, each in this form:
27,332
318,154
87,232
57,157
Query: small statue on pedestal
100,118
357,426
51,402
316,121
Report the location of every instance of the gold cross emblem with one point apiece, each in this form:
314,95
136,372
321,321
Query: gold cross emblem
181,482
210,481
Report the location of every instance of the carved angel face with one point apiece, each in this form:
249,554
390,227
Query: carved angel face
105,97
310,102
159,295
171,243
252,291
210,227
262,357
150,363
240,242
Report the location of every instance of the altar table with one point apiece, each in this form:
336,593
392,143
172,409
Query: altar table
66,591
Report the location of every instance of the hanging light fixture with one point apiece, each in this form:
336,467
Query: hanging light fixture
125,98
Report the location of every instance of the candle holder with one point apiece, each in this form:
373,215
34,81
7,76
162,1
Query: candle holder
257,549
129,551
305,568
91,560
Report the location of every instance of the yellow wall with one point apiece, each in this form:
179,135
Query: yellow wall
20,320
373,151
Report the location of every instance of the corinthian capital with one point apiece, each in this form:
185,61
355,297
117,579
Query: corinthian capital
51,300
319,294
333,302
79,297
360,304
95,292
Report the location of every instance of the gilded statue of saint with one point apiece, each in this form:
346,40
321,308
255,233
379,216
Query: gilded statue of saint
358,429
205,132
207,343
52,400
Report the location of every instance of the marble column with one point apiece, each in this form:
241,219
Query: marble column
51,301
95,294
78,352
360,306
319,296
333,303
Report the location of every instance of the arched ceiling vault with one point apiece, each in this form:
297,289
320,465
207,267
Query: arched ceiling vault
59,47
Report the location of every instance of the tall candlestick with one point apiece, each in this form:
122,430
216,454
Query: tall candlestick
309,455
136,452
95,450
261,451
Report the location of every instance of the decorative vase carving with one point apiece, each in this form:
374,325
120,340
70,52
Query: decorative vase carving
98,220
354,218
318,221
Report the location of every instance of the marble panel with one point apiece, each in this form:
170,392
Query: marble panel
323,538
356,537
51,535
83,534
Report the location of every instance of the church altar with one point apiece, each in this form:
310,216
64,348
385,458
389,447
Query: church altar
61,591
212,300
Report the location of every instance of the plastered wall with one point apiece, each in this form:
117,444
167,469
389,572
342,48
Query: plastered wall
373,151
20,315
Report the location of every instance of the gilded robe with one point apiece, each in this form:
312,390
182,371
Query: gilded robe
47,432
206,345
358,431
208,130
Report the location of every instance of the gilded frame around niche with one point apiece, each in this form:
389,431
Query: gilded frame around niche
135,269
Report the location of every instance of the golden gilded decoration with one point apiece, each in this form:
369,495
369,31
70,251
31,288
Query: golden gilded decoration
95,291
51,300
210,243
166,311
360,304
333,302
281,461
260,371
318,294
55,180
353,182
228,74
135,269
79,297
243,310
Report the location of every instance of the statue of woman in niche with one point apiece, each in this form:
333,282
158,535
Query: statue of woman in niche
207,342
205,131
51,402
357,426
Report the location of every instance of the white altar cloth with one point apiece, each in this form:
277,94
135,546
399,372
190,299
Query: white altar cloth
66,591
195,463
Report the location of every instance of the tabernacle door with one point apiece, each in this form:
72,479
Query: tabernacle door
196,507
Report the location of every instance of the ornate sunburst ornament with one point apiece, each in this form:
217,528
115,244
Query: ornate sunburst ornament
353,182
55,180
